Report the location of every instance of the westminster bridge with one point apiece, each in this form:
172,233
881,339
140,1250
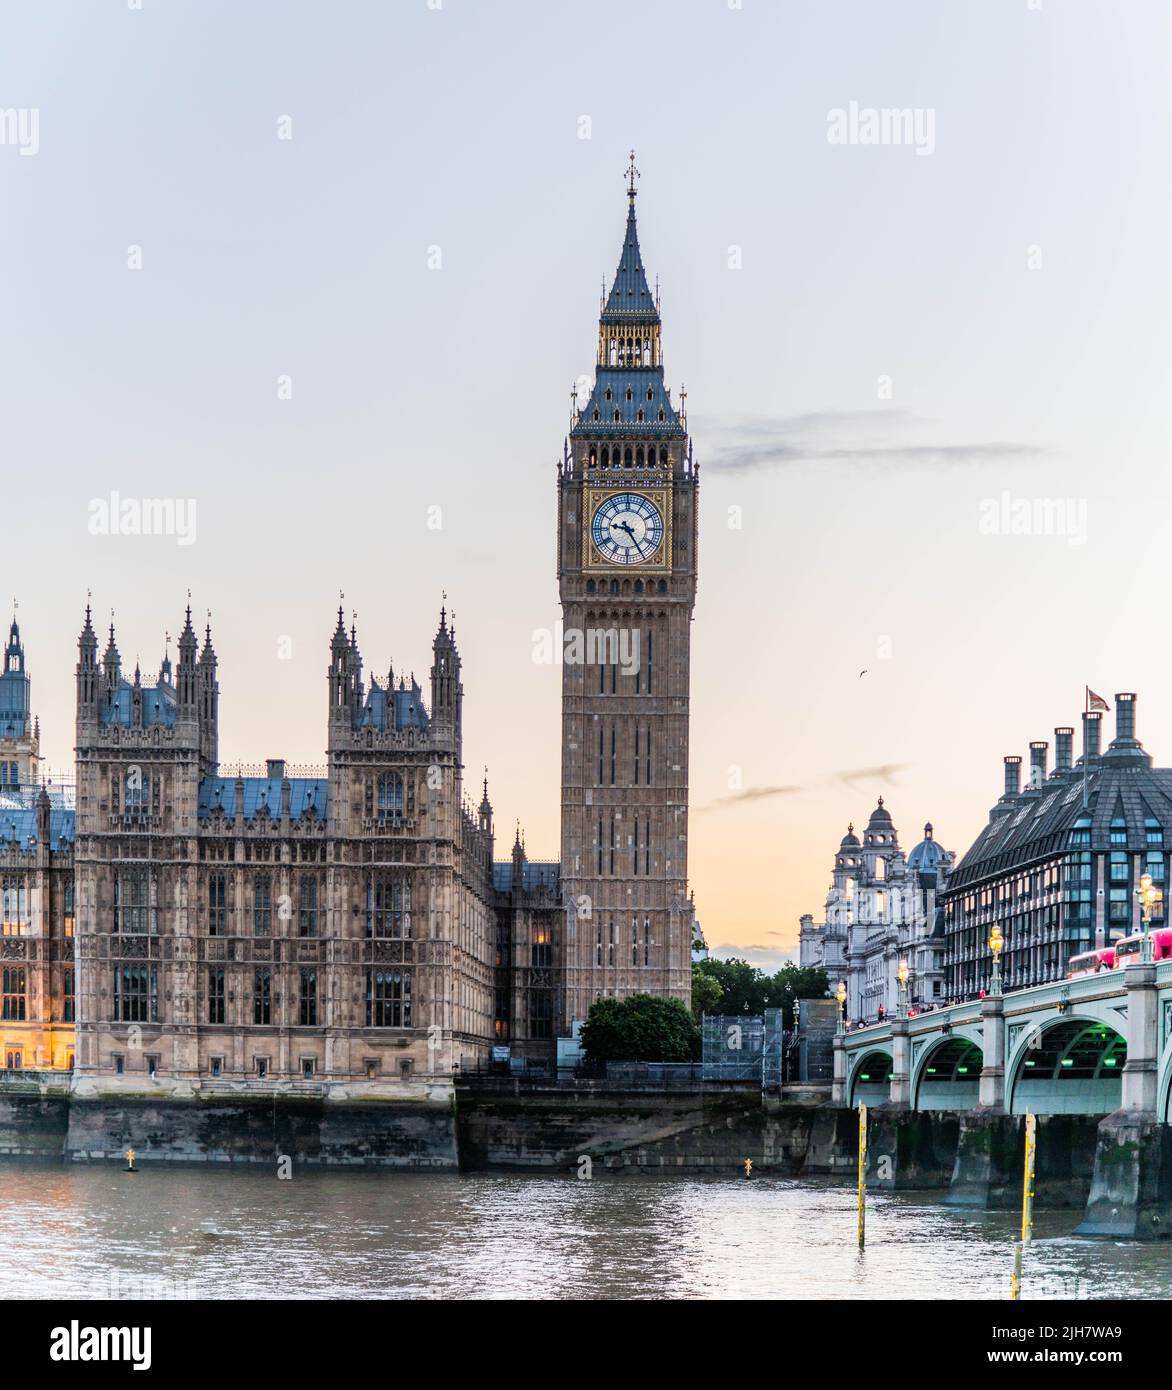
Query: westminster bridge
1087,1046
1091,1051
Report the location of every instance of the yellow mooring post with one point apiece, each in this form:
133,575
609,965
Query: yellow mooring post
862,1175
1027,1203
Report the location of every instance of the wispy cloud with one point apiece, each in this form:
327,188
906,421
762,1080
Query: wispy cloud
750,794
884,773
882,438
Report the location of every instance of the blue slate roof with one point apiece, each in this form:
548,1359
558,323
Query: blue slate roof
158,705
306,794
629,295
406,703
1122,793
545,874
648,412
640,381
20,828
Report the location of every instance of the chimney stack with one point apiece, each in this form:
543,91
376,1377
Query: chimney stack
1092,736
1125,717
1012,775
1063,749
1038,751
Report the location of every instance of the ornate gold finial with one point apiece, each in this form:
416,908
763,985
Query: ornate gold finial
632,175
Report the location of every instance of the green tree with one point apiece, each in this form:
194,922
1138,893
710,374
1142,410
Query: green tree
707,992
746,989
640,1028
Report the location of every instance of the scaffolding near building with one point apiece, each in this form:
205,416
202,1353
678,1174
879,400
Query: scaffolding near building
733,1047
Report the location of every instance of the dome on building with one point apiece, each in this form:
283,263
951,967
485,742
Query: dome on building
850,840
927,855
880,817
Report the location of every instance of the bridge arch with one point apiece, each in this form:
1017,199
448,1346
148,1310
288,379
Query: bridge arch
948,1074
1164,1081
870,1081
1070,1066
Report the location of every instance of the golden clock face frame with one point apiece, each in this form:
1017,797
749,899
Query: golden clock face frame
630,514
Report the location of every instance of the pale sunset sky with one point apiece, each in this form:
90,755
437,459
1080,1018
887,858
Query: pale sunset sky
891,351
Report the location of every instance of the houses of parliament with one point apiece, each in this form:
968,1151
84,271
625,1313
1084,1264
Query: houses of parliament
168,923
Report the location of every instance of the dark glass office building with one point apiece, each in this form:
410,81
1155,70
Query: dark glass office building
1058,865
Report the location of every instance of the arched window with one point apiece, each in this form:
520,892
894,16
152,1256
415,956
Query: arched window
627,458
138,792
390,796
590,586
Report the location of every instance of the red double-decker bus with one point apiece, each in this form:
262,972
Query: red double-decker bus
1091,962
1127,951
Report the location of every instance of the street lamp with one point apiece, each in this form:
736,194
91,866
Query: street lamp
996,945
901,975
840,995
1149,897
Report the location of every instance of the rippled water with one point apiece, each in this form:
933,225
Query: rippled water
190,1233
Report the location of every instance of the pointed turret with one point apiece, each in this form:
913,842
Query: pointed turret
344,675
87,665
629,397
486,808
14,651
208,699
445,674
15,691
111,665
44,816
188,665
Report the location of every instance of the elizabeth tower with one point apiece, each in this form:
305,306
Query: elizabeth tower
627,530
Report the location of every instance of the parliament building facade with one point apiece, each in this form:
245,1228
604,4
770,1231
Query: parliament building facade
176,925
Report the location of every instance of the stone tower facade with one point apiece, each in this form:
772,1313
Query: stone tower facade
627,567
330,929
143,750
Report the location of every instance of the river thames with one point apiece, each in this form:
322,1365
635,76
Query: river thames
169,1232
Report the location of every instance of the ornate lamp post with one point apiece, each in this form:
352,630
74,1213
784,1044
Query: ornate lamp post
792,1056
1149,897
840,995
901,975
996,945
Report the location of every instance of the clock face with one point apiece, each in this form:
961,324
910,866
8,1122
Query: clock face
627,529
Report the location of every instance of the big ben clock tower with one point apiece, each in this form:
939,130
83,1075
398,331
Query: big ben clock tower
627,530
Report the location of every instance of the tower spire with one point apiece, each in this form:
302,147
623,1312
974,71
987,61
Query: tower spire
632,175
